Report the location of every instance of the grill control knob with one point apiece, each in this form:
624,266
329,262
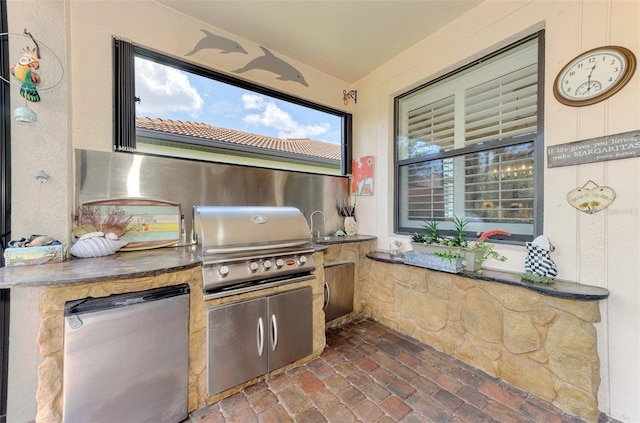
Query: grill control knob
279,263
267,264
302,260
253,267
223,271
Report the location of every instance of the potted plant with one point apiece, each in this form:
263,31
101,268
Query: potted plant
483,251
430,240
446,261
473,254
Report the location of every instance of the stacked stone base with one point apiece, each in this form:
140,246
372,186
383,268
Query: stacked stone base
543,344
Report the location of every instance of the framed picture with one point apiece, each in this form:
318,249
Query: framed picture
362,176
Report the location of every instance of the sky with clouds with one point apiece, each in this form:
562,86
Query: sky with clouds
170,93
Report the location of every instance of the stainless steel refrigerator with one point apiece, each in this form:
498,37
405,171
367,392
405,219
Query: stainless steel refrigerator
126,357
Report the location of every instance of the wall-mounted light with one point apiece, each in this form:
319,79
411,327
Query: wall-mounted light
353,95
41,177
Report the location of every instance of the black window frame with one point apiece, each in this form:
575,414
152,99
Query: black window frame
124,102
5,137
537,139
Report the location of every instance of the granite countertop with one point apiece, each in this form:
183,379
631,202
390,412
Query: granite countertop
333,239
123,265
116,266
558,288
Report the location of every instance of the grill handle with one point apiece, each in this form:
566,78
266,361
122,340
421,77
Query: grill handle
260,339
274,332
256,247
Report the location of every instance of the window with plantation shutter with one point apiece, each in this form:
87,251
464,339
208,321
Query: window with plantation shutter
470,145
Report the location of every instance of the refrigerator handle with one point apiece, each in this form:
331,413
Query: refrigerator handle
274,332
327,296
260,333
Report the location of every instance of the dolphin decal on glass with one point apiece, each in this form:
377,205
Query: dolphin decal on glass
271,63
216,42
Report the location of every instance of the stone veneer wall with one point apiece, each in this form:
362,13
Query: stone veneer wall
51,331
543,344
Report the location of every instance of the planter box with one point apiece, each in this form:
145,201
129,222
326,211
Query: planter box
469,256
431,261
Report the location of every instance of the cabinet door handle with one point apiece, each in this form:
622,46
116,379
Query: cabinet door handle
327,296
274,332
260,333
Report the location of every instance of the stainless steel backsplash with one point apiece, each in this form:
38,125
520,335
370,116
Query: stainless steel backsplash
104,175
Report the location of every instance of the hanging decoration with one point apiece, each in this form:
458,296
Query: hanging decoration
591,200
26,74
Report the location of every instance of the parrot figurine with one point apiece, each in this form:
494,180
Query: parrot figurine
24,72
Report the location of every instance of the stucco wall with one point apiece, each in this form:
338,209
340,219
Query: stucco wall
600,249
46,144
94,23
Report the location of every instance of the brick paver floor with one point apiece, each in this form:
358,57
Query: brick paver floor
370,373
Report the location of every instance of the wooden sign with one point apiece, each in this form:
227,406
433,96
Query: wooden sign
611,147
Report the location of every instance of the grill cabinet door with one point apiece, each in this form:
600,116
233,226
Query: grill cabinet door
235,333
338,290
290,327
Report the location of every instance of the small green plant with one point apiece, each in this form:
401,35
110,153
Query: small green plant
531,277
486,251
419,238
449,255
459,238
433,233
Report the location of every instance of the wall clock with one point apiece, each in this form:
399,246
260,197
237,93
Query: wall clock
594,75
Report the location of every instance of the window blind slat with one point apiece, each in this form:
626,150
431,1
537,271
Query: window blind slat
432,125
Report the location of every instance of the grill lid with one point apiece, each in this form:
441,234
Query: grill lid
220,230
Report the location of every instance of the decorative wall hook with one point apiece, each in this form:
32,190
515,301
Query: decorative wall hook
353,94
37,49
41,177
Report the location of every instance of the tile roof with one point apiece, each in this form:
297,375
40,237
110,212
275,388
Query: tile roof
302,146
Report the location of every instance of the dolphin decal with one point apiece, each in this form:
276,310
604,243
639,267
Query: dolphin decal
216,42
271,63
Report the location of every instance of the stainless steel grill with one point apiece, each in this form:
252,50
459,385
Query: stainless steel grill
249,248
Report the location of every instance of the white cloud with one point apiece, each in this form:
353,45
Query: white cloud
272,116
164,90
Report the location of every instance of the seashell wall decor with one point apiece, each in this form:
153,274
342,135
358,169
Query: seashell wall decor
95,247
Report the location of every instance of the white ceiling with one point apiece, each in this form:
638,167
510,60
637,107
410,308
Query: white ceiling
343,38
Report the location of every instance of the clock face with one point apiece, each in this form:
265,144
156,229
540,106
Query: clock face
594,75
